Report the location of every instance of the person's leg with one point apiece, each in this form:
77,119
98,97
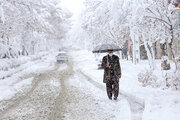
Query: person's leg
109,89
116,89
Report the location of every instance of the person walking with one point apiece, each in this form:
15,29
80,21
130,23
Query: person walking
112,74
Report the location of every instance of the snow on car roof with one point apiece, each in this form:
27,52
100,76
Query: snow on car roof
62,52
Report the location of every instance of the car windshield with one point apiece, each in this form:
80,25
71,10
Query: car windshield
62,54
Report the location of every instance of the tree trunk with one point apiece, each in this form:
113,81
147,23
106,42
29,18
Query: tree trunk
164,64
170,46
150,59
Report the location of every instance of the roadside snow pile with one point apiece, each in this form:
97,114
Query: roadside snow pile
7,64
9,67
160,104
18,75
7,91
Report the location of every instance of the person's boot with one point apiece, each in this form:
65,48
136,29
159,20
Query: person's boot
110,96
115,98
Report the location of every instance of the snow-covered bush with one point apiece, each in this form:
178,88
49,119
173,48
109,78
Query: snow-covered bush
148,79
168,79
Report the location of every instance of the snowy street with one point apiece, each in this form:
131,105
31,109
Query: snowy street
66,93
89,59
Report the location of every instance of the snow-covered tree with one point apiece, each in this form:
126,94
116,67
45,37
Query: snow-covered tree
101,22
28,26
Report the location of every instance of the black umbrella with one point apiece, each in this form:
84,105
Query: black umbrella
105,47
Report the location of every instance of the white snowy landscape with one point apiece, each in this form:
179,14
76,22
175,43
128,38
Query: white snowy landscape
34,85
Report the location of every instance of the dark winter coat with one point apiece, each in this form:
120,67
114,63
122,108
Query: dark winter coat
114,69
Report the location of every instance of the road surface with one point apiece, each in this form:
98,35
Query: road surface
62,94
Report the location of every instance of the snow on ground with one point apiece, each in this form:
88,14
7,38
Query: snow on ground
89,100
63,67
7,91
13,72
94,104
41,102
159,104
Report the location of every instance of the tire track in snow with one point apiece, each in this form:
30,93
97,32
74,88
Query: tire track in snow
17,99
77,103
66,71
19,102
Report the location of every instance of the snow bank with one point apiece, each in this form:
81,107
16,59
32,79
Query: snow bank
7,64
8,91
15,79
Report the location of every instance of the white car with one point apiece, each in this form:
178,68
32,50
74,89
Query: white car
62,57
100,64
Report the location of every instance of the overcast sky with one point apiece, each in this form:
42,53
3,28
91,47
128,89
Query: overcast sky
75,6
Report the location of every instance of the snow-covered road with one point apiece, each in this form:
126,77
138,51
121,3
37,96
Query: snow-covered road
40,101
64,93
